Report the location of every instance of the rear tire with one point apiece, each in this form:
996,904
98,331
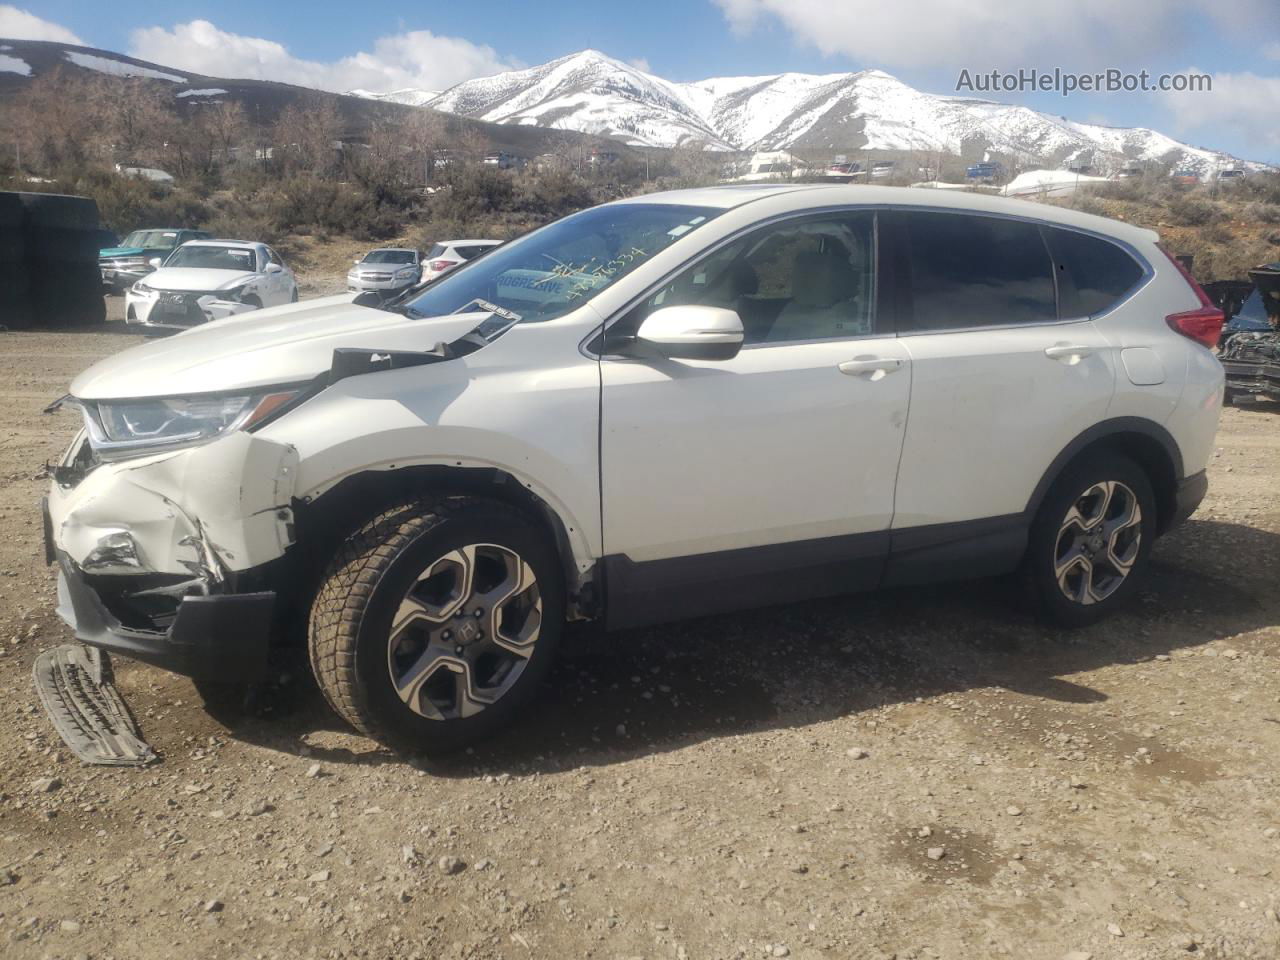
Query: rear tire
1091,541
397,645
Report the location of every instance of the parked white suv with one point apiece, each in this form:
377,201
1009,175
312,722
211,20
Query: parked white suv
447,254
662,407
205,280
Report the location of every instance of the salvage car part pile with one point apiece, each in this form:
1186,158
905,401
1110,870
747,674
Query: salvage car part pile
1251,358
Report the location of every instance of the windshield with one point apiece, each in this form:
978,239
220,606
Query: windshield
213,258
388,256
152,239
551,271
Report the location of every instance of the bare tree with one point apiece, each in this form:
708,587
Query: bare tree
228,127
422,134
138,117
305,135
55,124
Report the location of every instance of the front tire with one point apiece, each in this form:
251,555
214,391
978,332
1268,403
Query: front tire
436,621
1091,541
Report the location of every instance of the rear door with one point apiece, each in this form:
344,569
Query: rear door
1001,383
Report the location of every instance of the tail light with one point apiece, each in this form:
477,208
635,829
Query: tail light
439,265
1203,325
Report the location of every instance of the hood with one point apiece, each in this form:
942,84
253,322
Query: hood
122,252
197,278
288,344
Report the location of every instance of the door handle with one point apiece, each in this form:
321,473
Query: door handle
872,365
1070,352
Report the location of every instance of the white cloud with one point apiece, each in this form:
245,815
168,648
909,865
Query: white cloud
1083,34
1245,103
18,24
418,58
641,63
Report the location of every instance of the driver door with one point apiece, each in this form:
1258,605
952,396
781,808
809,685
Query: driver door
770,476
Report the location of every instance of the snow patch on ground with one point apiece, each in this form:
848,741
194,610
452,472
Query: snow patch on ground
211,92
10,64
118,68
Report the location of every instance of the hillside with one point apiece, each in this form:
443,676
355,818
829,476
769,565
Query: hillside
263,100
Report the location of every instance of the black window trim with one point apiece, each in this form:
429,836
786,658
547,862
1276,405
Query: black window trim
902,293
1144,276
597,334
888,274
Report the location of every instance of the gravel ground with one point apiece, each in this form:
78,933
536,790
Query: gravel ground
918,774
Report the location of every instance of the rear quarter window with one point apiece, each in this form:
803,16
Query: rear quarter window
975,271
1093,274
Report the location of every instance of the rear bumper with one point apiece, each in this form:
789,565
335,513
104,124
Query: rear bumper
1188,496
224,637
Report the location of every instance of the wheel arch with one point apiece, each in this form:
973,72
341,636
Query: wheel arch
1146,442
323,519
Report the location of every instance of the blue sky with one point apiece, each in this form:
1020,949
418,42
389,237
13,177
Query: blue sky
380,44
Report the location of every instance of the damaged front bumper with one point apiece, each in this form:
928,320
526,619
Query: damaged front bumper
216,637
169,558
174,312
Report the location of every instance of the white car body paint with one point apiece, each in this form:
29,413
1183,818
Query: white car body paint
234,494
776,445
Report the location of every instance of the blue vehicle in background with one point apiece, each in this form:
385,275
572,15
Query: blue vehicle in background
123,266
984,170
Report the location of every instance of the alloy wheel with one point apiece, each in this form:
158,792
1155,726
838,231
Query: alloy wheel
464,631
1098,542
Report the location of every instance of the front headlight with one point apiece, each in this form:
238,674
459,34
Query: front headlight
232,293
142,290
124,428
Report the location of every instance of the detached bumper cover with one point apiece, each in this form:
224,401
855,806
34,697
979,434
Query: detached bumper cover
223,637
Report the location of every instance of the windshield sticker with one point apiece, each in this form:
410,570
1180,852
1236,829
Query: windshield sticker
590,275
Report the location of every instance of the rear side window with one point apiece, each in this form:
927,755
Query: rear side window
468,252
972,271
1093,274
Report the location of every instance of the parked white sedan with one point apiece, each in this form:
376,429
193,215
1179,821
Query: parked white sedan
386,270
207,280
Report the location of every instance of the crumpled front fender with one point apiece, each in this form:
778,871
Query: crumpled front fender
223,506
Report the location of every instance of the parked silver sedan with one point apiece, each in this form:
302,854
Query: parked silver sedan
385,270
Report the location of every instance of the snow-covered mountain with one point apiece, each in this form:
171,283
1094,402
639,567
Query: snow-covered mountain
868,109
587,92
410,96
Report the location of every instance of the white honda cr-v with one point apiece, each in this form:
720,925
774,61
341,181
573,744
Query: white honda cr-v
662,407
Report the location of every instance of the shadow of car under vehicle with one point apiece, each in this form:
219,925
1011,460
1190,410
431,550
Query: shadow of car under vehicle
659,689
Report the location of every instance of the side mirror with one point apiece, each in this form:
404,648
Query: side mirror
274,268
355,259
692,332
155,263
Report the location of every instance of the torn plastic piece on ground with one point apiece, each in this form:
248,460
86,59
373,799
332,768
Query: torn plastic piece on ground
75,685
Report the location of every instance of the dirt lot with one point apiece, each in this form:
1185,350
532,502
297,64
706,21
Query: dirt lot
763,785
